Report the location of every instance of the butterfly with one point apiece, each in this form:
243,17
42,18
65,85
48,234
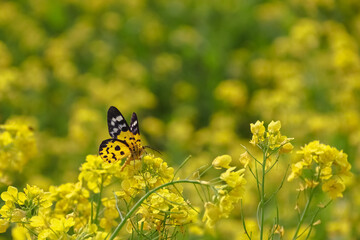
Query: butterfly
125,140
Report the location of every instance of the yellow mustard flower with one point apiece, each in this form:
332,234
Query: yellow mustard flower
326,164
68,195
334,188
4,225
296,170
232,178
13,195
97,173
20,206
17,146
38,221
274,127
166,205
212,214
326,173
222,161
61,225
108,221
258,131
287,148
270,138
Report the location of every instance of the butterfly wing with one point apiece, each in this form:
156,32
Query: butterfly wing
125,142
134,126
116,122
134,129
113,150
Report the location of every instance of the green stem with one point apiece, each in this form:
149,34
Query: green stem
262,202
143,198
98,204
313,219
303,214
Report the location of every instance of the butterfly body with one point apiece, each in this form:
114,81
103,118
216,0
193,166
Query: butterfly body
125,142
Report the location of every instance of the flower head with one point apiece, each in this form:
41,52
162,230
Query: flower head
222,162
326,165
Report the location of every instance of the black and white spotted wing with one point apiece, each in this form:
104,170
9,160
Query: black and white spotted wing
134,125
116,122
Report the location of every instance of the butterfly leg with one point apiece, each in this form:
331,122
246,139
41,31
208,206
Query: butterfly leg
127,162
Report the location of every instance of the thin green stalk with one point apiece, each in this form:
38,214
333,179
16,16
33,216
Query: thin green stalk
313,219
257,179
262,202
181,165
243,220
280,186
92,209
143,198
303,214
99,201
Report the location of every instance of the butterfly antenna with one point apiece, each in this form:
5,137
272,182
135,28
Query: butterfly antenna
153,149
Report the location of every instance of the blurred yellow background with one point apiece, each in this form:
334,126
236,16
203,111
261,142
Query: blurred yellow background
197,73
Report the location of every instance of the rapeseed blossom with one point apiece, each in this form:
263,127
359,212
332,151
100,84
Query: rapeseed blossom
271,138
228,194
325,164
17,146
21,206
222,162
96,173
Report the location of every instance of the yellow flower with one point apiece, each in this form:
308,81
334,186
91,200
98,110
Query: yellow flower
222,162
258,131
38,221
334,188
226,205
11,194
296,170
326,173
18,215
61,225
17,146
287,148
245,159
4,225
232,178
274,127
212,214
37,196
110,214
95,172
68,195
324,163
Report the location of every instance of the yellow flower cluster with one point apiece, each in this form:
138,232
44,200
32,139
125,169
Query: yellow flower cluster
21,206
271,138
320,163
229,192
17,146
32,213
65,197
164,208
97,173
